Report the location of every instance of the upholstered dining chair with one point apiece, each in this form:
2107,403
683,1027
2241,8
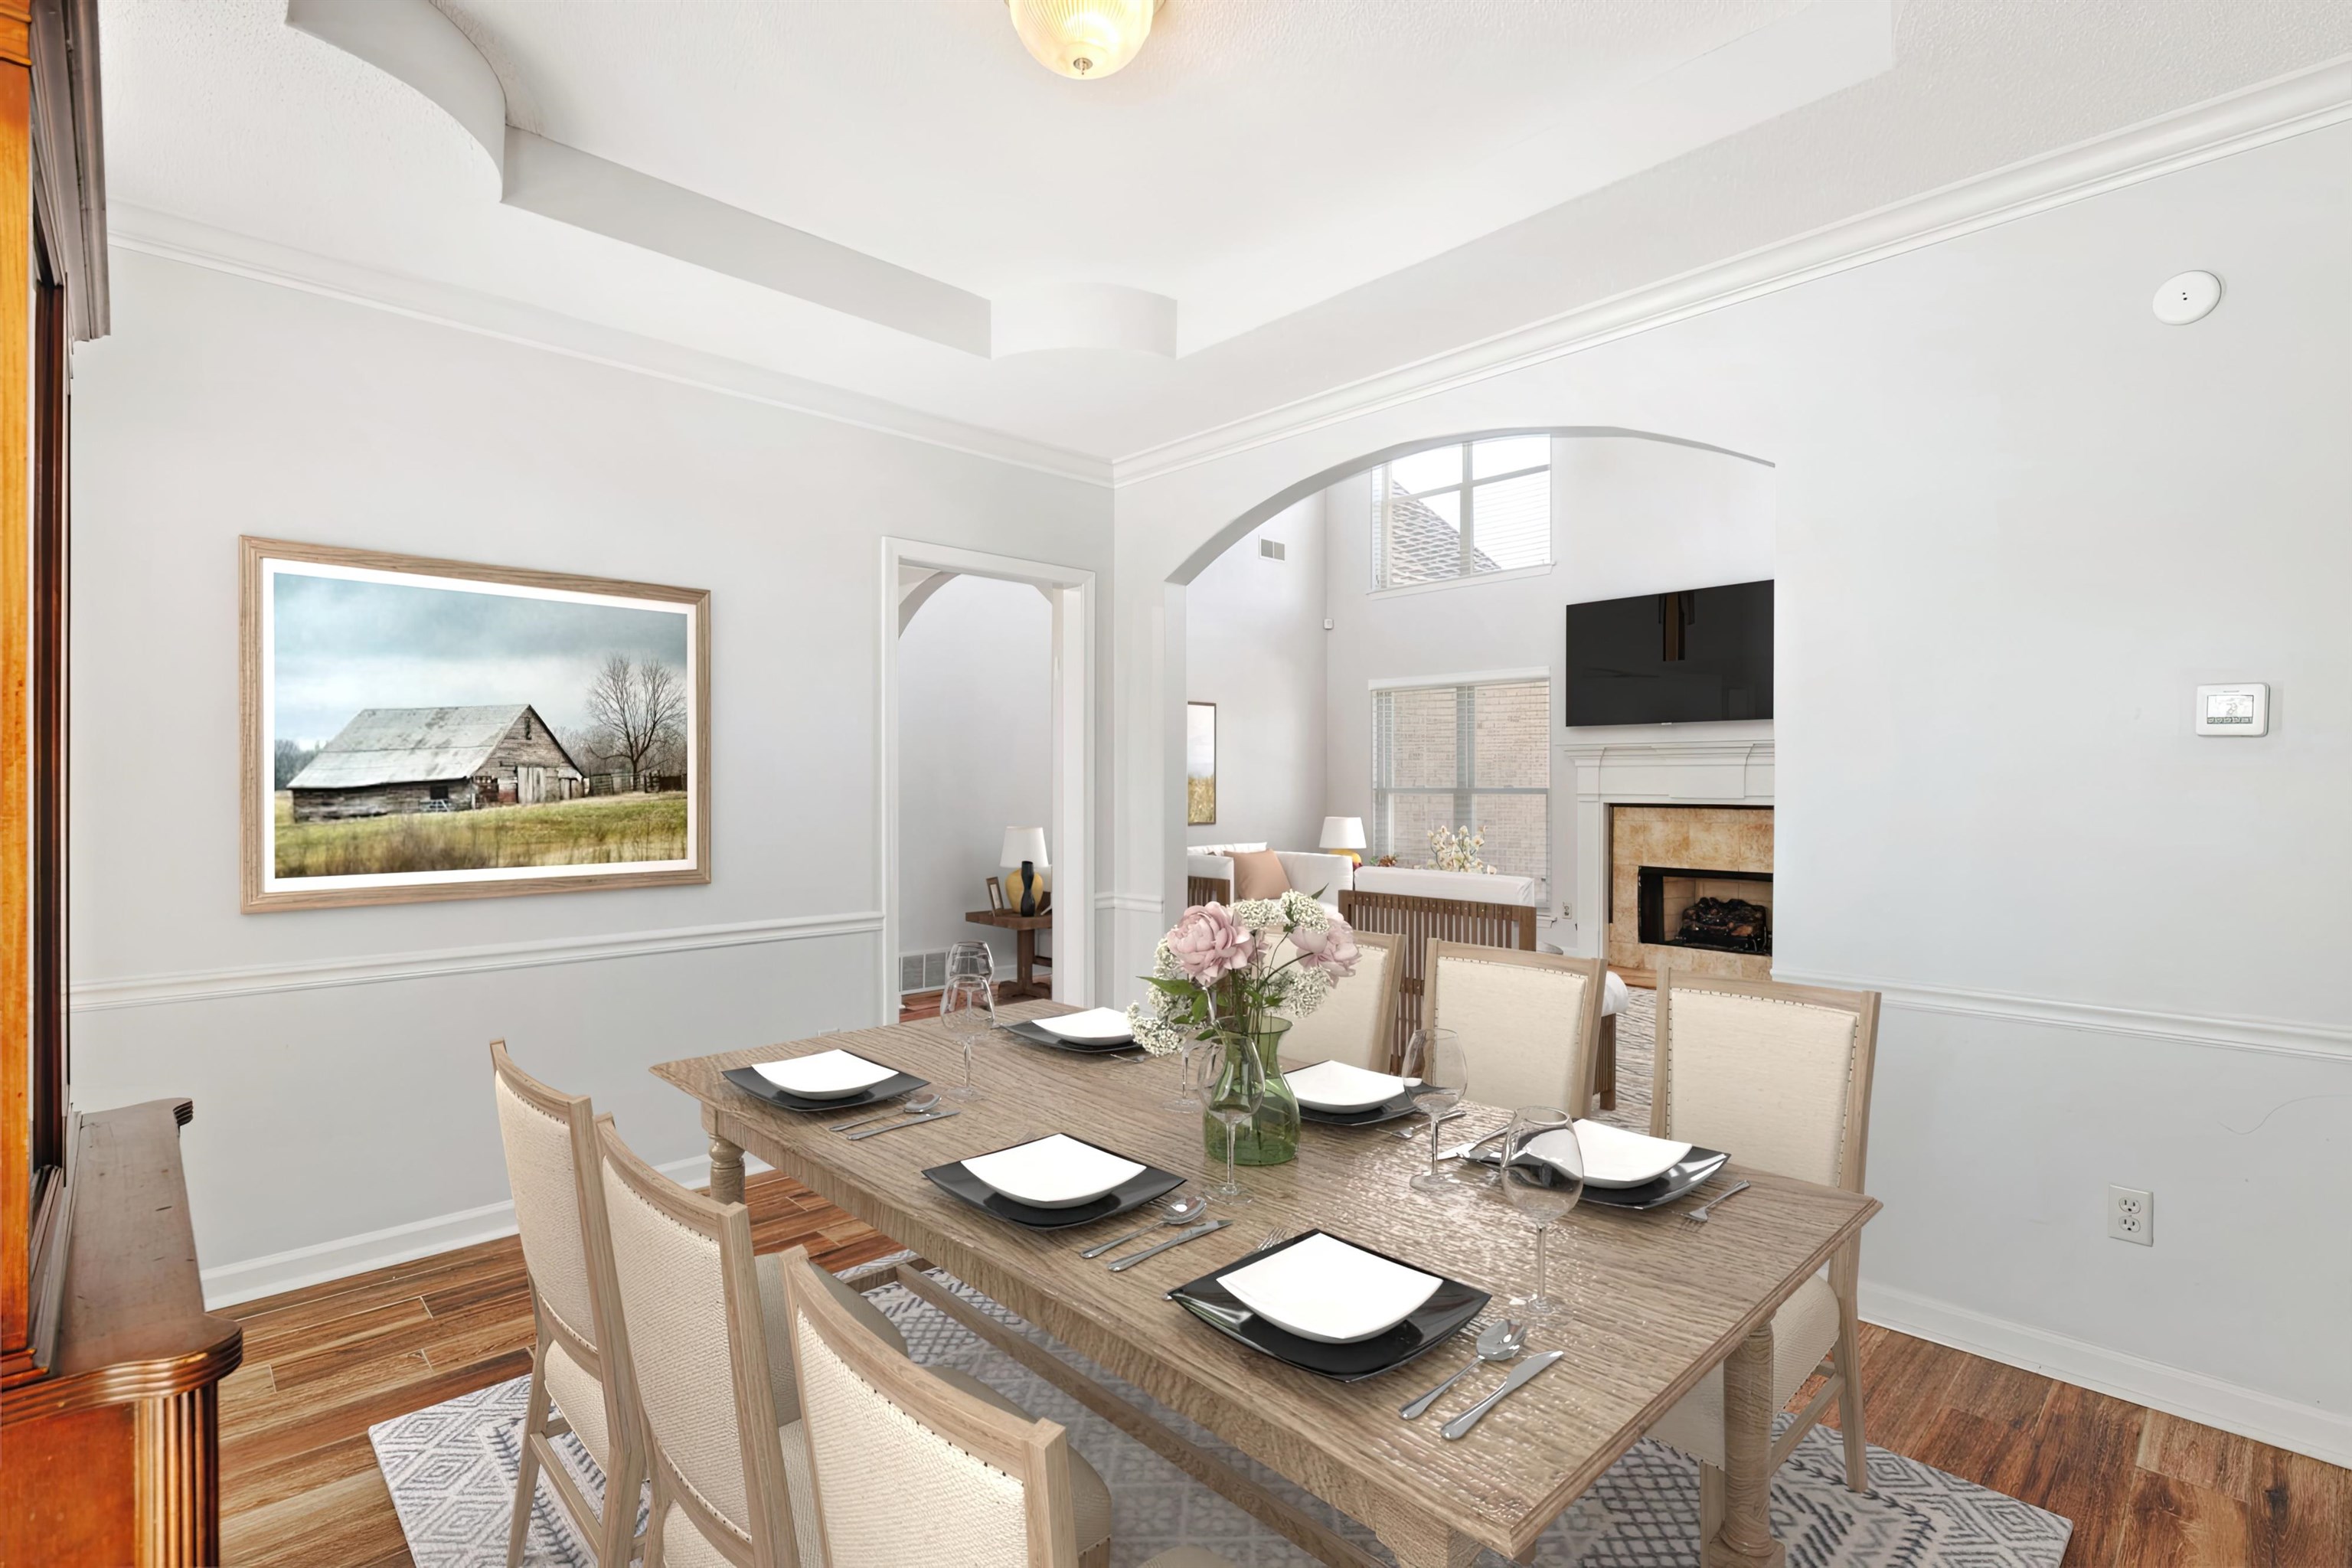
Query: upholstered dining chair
1780,1075
579,1359
905,1466
1528,1021
721,1406
1356,1022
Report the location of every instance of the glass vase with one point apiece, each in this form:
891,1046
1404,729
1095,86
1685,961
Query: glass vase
1270,1137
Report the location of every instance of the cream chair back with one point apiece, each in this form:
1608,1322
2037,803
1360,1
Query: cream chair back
688,1286
1354,1023
1528,1021
1780,1075
908,1468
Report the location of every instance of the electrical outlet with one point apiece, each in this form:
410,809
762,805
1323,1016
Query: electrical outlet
2131,1216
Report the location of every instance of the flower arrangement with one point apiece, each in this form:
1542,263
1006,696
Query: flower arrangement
1456,849
1225,969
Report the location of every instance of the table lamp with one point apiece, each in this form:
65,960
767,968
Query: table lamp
1025,847
1345,834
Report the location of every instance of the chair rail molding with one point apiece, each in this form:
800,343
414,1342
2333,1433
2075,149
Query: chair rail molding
1729,766
216,984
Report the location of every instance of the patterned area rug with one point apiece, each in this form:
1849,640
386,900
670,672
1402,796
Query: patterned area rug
451,1469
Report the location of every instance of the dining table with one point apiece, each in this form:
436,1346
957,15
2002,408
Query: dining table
1654,1304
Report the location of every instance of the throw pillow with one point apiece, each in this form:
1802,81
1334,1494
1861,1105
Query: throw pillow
1258,874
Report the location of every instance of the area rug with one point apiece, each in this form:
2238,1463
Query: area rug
452,1468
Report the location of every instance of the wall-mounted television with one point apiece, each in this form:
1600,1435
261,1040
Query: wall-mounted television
1684,658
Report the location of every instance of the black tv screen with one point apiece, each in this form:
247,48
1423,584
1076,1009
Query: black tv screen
1672,659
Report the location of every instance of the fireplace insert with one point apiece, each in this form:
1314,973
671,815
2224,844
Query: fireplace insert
1729,912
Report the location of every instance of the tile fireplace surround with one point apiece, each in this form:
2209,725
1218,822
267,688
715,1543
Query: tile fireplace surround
1686,803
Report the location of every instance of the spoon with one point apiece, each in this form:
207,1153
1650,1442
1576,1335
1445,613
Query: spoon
1179,1210
913,1105
1497,1341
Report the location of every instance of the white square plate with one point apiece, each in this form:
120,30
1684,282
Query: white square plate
1053,1172
828,1075
1337,1086
1616,1158
1094,1026
1322,1288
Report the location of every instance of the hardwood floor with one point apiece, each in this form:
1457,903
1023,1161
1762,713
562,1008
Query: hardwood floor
300,1486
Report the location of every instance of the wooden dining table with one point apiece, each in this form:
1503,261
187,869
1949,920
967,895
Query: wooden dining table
1655,1304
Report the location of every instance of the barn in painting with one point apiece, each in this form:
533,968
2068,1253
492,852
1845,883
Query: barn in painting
387,761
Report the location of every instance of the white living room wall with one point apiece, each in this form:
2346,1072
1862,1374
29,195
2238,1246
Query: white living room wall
1255,640
1629,515
975,737
2019,520
337,1058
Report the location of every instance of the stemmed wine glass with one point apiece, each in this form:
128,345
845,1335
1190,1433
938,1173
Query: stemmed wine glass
968,1012
1236,1087
973,959
1542,1175
1187,1096
1435,1058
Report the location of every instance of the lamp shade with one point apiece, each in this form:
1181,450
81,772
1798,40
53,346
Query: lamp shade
1343,833
1083,38
1025,844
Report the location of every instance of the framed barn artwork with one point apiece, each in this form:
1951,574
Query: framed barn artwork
416,729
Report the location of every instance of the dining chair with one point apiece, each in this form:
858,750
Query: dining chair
1355,1022
1779,1075
907,1465
580,1357
1528,1021
721,1405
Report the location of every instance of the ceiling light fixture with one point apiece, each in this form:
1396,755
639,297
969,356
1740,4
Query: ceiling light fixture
1083,38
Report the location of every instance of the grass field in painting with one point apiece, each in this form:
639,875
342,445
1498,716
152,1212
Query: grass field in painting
604,831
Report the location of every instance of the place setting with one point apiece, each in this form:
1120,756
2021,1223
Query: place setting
1617,1168
1056,1183
1103,1033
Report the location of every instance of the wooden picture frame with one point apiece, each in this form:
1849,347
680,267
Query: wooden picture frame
1200,765
320,846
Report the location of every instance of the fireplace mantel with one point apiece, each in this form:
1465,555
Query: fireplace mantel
1649,764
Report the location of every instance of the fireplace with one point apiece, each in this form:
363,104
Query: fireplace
1726,912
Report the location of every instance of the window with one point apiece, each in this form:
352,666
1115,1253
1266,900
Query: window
1455,512
1465,756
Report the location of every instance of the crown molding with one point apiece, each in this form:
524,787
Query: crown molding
2288,106
153,233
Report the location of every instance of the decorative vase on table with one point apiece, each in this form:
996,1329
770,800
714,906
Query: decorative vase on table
1246,971
1270,1137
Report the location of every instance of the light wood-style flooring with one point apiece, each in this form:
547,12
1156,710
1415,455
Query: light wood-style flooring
300,1486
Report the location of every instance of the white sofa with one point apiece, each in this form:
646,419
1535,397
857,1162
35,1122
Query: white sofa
1477,886
1325,876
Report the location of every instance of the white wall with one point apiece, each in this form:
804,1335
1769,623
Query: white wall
1629,515
1253,646
336,1057
2019,520
975,737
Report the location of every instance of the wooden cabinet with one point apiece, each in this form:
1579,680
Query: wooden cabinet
109,1366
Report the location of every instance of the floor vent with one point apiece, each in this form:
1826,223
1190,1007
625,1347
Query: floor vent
922,972
1272,549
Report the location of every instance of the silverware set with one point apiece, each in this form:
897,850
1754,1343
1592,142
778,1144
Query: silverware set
1498,1342
898,1126
1702,1213
1177,1211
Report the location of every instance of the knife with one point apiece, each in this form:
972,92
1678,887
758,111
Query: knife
1179,1239
1522,1375
911,1121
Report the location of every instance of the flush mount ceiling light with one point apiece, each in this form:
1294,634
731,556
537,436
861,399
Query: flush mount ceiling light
1083,38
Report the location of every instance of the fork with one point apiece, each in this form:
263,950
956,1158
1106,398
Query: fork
1700,1216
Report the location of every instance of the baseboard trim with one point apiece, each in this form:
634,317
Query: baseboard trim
2274,1036
214,985
2191,1396
301,1267
1133,903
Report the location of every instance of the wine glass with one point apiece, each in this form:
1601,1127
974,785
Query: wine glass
973,959
1187,1097
1236,1087
967,1013
1542,1175
1435,1058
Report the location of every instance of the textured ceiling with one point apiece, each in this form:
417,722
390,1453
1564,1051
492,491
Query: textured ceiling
922,134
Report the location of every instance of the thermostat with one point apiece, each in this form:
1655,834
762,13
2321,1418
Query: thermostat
2233,709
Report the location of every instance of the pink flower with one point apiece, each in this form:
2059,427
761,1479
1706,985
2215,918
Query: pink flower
1332,949
1208,944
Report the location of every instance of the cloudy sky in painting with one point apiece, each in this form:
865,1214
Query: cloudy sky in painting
343,645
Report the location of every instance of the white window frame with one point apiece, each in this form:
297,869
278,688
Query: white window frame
1467,489
1466,758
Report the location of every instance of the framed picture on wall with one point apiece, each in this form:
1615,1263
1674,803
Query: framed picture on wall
1200,765
416,729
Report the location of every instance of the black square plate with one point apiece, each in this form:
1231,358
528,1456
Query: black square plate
1030,1032
1406,1103
1133,1193
1449,1306
1679,1180
748,1080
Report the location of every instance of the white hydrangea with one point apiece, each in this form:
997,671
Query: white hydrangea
1302,912
1152,1031
1306,991
1257,914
